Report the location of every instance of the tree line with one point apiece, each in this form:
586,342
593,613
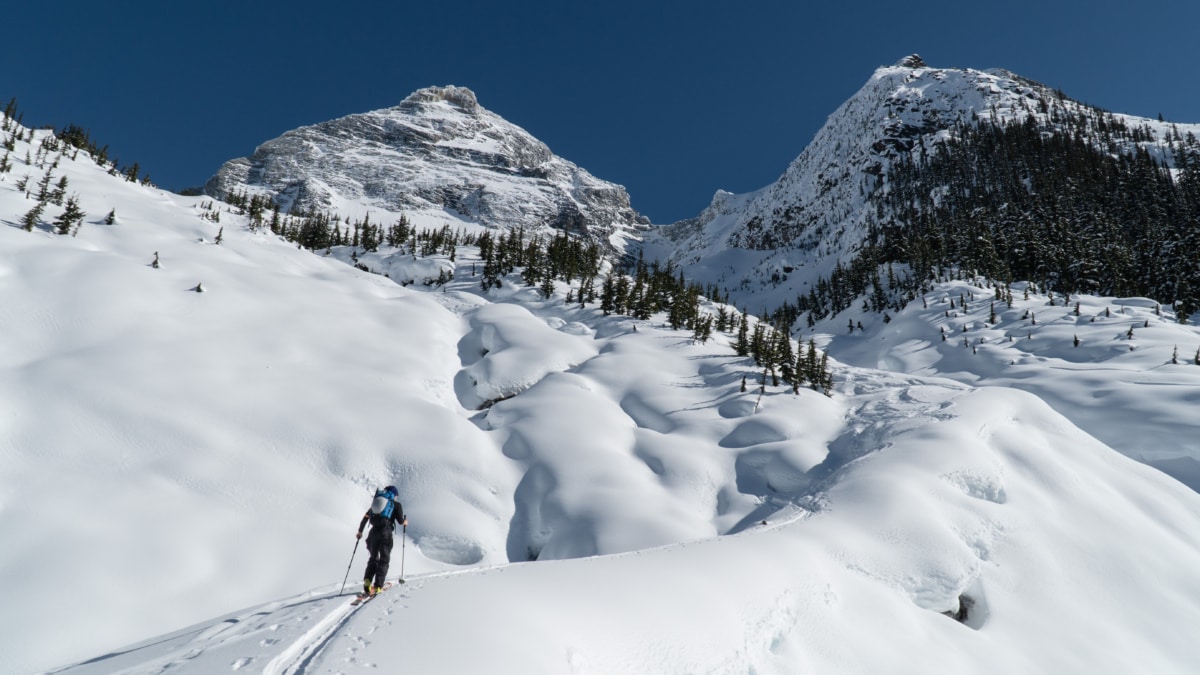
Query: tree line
1074,201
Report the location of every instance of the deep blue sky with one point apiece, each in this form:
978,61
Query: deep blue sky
671,99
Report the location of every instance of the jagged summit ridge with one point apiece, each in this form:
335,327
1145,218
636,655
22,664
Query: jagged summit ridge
461,97
437,153
816,215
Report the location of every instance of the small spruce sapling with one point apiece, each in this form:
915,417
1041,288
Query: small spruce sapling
32,217
70,217
44,187
59,192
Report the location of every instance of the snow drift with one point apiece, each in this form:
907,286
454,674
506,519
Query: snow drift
587,493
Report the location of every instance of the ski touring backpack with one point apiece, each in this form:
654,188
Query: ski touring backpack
384,503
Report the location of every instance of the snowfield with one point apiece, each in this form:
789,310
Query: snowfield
586,494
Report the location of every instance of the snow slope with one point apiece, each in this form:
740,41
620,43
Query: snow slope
1132,380
816,214
1061,544
195,453
768,247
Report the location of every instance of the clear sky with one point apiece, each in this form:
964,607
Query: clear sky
673,100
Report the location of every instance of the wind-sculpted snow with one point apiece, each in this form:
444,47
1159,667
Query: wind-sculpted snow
196,453
899,539
439,155
1124,369
509,350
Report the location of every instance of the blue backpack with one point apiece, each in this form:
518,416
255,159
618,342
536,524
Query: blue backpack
384,503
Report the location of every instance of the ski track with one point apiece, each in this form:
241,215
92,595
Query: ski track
308,649
295,659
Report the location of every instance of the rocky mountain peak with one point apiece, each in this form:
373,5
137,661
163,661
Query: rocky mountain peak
439,158
770,246
460,97
911,61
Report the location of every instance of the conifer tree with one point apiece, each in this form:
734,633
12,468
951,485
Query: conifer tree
59,192
43,193
70,218
812,364
621,295
608,294
702,330
722,319
33,217
742,346
784,356
826,375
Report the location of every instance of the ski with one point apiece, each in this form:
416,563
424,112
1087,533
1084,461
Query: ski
365,597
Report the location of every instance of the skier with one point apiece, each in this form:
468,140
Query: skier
383,515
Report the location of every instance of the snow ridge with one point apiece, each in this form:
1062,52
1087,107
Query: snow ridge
769,246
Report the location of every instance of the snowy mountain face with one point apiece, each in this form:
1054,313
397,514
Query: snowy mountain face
772,245
199,411
438,153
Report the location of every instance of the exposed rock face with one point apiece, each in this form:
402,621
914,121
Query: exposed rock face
768,246
438,152
901,108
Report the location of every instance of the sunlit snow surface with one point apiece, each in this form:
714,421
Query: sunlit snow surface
170,456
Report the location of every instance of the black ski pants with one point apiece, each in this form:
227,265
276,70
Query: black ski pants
379,546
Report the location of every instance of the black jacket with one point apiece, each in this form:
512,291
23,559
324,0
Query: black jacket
385,526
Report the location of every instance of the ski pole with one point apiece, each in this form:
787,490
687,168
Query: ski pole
347,577
403,540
